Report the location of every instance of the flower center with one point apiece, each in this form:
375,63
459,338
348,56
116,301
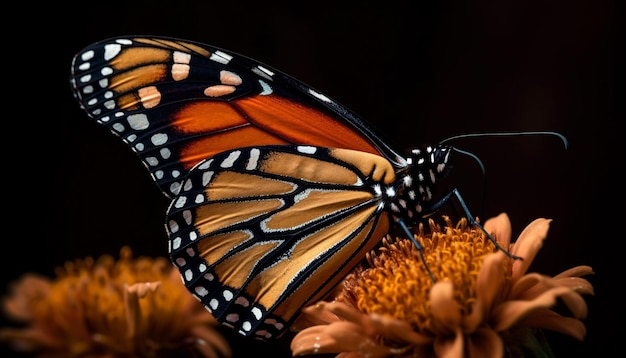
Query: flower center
397,283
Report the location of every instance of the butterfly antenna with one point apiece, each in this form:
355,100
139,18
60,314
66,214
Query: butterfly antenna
473,156
509,134
497,134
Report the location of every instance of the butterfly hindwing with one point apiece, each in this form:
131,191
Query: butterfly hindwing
177,102
259,232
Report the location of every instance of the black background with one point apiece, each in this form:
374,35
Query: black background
421,72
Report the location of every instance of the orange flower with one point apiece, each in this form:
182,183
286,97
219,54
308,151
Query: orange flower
129,308
483,304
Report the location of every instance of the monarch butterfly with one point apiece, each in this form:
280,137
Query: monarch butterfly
277,191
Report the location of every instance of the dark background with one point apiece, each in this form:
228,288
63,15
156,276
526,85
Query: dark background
420,72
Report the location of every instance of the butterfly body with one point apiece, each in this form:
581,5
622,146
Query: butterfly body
276,190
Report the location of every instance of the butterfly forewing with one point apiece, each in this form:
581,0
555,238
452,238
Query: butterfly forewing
176,103
259,232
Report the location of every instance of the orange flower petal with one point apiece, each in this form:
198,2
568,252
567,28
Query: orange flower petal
510,312
208,343
577,271
398,331
342,310
488,285
528,244
27,340
445,347
485,342
341,336
577,284
500,228
445,310
532,285
575,303
314,315
527,287
28,289
548,319
132,294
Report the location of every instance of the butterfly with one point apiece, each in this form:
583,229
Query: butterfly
277,191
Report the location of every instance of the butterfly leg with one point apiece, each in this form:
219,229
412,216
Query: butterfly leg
417,245
470,218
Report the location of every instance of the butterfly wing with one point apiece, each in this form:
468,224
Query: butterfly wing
177,102
253,244
260,232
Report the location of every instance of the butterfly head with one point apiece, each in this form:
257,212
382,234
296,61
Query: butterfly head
417,184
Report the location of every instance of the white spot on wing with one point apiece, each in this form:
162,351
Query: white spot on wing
182,57
319,96
201,291
180,71
87,55
159,139
173,225
206,164
111,50
306,149
267,89
257,313
221,57
187,216
230,160
254,159
175,188
230,78
246,326
214,304
264,72
206,177
138,121
118,127
180,202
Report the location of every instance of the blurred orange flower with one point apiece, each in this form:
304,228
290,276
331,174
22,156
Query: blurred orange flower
106,308
483,304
